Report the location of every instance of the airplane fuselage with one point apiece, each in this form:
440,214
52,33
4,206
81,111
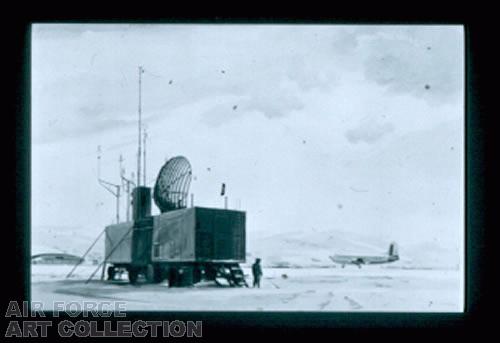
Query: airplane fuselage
360,260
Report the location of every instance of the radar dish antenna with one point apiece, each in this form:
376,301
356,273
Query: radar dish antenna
172,184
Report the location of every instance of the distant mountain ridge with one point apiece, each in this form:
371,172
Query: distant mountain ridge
287,249
311,249
65,239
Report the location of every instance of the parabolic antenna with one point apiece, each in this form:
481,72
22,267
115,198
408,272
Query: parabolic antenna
172,184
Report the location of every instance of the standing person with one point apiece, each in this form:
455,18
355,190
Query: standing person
257,272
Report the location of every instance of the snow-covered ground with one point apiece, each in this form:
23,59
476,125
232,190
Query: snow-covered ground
372,288
427,278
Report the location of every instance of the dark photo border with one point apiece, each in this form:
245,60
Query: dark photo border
17,244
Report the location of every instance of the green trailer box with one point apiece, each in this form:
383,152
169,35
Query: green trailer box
187,235
220,235
199,235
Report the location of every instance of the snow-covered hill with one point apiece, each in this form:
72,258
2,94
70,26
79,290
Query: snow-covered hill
299,249
312,248
66,239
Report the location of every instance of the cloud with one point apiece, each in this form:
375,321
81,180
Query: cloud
273,70
274,97
369,132
425,62
345,42
221,113
91,110
274,104
53,132
271,105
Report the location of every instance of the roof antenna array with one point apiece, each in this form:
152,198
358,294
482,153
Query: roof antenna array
114,189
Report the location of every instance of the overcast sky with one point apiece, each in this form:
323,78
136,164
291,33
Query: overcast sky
352,128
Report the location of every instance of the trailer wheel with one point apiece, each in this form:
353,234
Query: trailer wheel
210,273
172,277
197,274
132,275
153,274
160,274
111,273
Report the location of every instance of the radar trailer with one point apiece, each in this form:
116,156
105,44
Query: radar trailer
182,245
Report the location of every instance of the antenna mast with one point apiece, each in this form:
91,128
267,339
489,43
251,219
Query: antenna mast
141,70
144,157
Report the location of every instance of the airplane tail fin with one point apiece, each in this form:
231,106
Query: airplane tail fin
393,249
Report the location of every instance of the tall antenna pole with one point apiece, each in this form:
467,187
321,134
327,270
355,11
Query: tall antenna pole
141,70
144,157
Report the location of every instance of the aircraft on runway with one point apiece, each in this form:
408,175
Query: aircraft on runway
359,260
